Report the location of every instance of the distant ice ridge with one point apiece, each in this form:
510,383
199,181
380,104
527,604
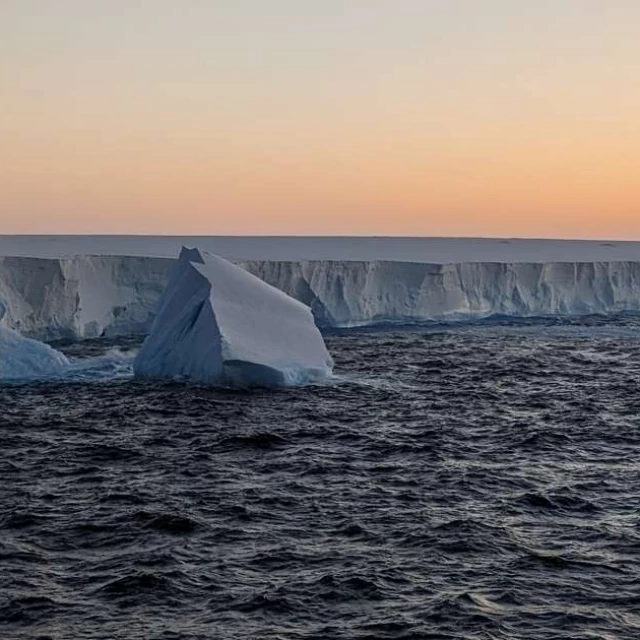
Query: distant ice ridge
87,296
218,324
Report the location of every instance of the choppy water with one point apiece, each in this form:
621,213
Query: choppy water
478,482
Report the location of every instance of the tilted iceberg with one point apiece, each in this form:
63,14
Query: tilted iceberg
218,324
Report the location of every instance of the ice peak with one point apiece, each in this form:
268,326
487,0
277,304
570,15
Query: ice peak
191,254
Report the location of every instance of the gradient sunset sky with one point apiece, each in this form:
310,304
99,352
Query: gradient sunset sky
406,117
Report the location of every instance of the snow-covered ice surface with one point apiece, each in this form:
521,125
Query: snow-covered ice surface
22,358
218,324
433,250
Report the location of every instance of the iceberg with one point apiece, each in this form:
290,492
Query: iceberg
23,358
218,324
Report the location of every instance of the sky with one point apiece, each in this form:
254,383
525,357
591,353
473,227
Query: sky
506,118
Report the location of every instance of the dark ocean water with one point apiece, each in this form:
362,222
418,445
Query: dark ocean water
474,482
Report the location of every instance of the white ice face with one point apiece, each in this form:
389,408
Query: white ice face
219,324
347,294
87,296
22,358
81,296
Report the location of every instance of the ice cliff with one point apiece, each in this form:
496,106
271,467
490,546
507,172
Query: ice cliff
218,324
361,293
87,296
81,296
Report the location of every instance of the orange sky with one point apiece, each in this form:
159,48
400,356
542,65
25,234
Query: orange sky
405,118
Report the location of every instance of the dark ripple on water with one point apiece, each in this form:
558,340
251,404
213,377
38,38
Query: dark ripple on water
473,483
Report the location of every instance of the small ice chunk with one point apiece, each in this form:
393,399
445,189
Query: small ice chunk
22,357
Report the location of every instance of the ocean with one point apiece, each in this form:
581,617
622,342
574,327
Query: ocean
475,482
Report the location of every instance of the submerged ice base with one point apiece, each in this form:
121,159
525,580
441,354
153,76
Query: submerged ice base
218,324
